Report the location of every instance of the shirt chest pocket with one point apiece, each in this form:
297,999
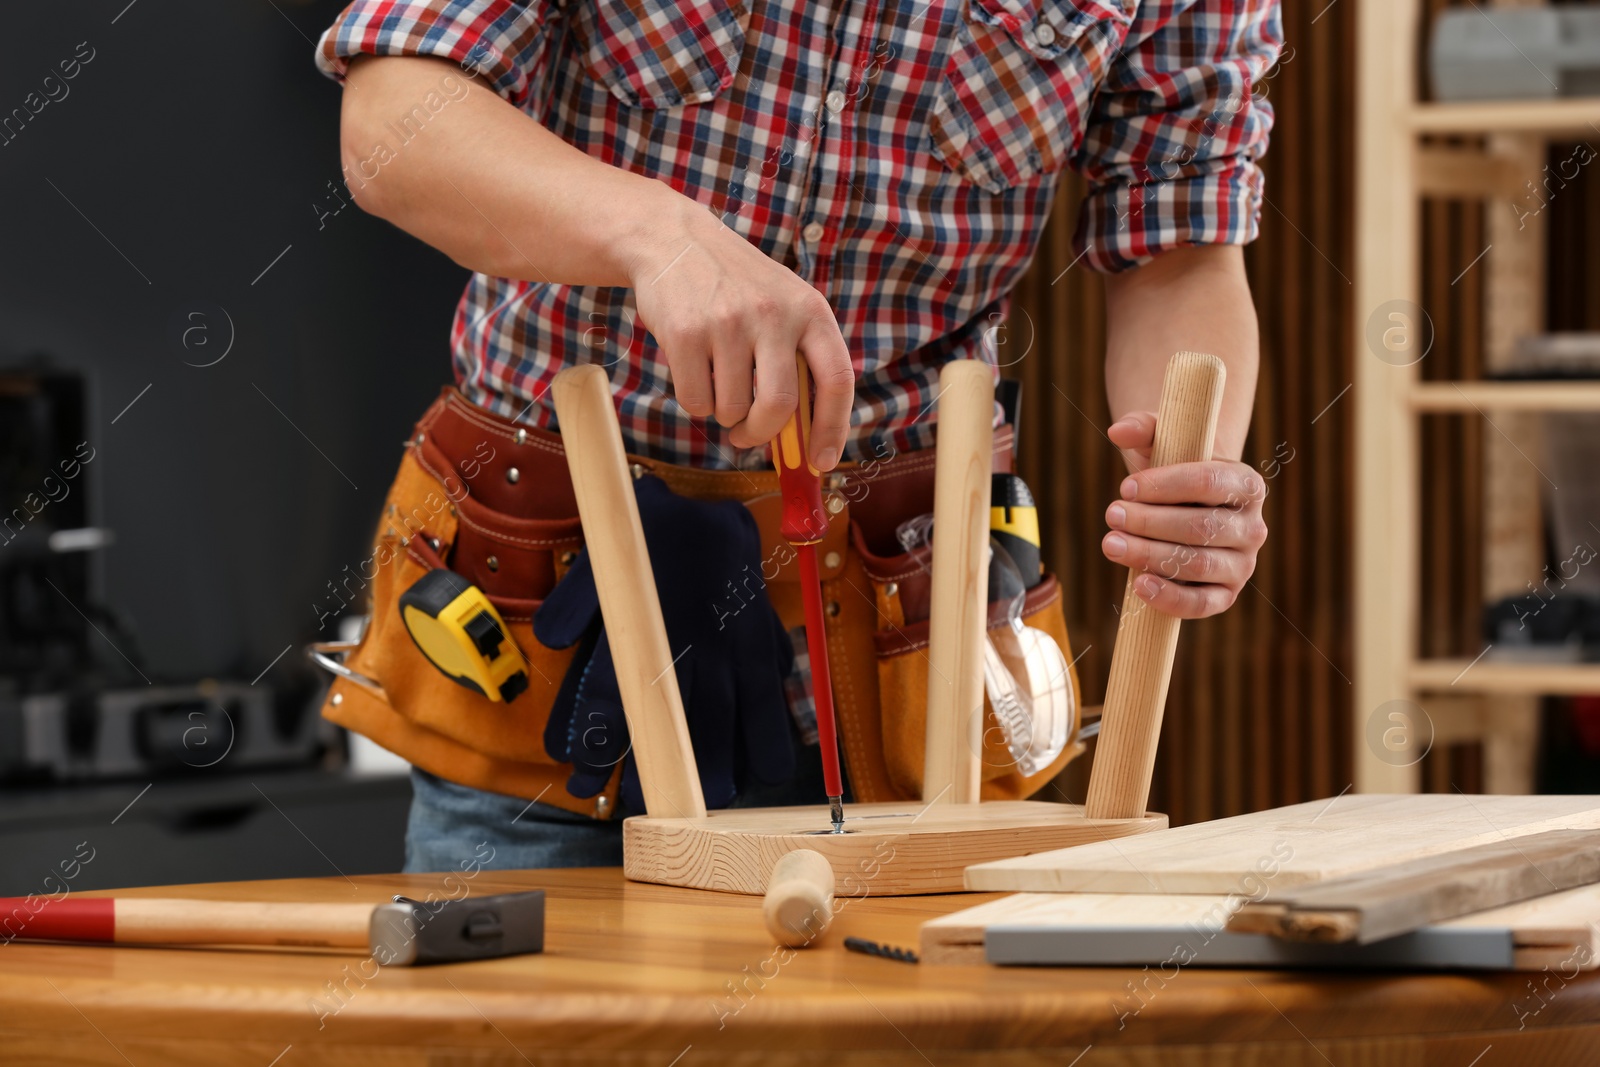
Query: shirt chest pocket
659,54
1018,85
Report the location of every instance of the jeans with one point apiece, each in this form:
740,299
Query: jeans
451,824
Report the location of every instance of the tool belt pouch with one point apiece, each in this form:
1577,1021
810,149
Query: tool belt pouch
493,502
441,512
878,641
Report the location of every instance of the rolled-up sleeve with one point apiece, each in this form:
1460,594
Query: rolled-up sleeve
496,40
1173,138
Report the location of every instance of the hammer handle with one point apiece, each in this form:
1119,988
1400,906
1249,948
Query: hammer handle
157,921
1141,662
626,586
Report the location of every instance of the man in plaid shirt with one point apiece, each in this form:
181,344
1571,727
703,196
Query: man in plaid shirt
690,191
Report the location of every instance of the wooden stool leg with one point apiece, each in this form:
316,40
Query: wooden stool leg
627,590
1141,663
958,608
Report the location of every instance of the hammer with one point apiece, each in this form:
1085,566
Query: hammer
400,933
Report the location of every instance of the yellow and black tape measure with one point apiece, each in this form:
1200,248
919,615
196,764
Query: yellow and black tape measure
461,633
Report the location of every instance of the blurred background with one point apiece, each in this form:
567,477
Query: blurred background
226,355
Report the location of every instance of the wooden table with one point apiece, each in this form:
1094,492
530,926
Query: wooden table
651,976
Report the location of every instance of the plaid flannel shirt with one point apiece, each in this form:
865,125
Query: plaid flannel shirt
902,157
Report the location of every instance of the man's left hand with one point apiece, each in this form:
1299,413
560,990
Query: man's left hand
1193,528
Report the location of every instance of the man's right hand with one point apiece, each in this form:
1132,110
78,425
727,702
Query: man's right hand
729,321
500,194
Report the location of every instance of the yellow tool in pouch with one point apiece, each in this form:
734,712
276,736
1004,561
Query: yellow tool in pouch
461,633
1014,524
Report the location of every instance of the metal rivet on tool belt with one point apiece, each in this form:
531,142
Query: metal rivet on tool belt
521,436
421,437
835,504
567,558
513,475
493,563
434,541
833,608
637,470
602,807
337,699
891,589
393,510
831,560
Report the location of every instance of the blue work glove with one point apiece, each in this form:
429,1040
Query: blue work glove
731,660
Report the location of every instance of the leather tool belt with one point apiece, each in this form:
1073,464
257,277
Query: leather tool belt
493,501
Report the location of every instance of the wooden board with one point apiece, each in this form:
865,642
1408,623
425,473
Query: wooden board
1290,846
1561,930
1393,900
887,849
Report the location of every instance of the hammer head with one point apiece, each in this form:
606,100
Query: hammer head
410,931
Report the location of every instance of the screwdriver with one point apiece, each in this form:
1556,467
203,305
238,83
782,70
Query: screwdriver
805,523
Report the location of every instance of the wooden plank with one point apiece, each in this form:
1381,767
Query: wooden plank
1546,117
1491,676
1289,846
1388,260
1393,900
1178,930
1475,397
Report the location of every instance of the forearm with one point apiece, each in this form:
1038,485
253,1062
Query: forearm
484,183
1189,298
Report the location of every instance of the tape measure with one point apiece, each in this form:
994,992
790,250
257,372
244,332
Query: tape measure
455,626
1014,523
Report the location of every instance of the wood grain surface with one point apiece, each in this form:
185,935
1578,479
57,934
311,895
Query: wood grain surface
651,976
1391,900
1288,846
1147,639
629,604
959,599
887,849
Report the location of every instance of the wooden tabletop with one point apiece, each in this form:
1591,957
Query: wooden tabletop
655,977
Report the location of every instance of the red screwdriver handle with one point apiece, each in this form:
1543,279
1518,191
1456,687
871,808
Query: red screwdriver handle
805,521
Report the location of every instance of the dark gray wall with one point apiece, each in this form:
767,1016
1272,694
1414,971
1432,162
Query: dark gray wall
198,142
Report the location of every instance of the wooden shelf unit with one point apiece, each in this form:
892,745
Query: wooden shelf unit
1395,169
1500,676
1505,396
1574,116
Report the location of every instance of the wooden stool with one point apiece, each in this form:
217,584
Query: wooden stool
886,849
